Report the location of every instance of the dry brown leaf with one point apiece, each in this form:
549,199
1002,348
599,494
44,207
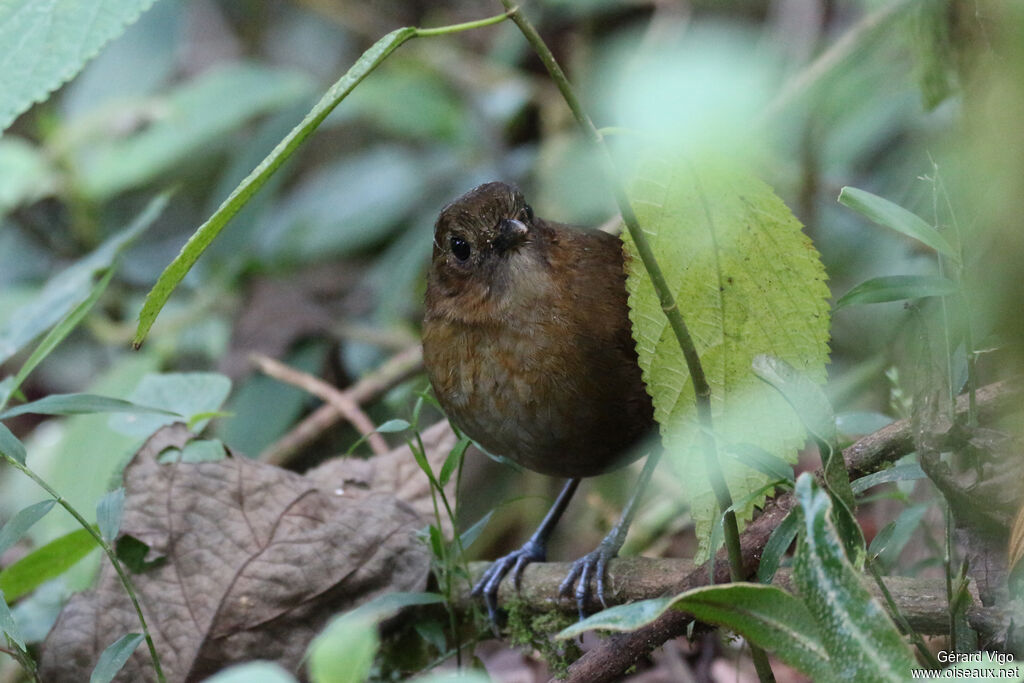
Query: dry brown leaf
257,559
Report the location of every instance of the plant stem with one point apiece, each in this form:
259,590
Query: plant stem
894,610
111,555
465,26
702,390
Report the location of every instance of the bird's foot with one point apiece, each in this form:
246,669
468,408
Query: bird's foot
592,566
515,562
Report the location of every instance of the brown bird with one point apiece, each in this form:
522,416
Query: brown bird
526,340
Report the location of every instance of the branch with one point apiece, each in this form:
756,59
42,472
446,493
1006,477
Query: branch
394,371
921,601
339,400
609,661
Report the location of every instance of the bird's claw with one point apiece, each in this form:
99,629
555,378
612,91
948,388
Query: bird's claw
514,563
593,565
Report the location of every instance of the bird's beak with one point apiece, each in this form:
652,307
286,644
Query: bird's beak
511,233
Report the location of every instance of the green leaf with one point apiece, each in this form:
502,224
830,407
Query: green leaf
893,216
10,446
389,604
49,41
26,174
8,626
747,282
253,672
57,334
16,526
862,640
908,472
344,651
392,426
209,230
66,290
108,514
451,463
190,119
79,404
196,450
178,394
467,537
897,288
766,615
902,530
933,51
114,657
780,540
45,563
762,461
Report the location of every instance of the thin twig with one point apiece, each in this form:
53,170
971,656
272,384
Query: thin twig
341,401
394,371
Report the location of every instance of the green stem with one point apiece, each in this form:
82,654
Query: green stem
894,610
465,26
702,390
111,555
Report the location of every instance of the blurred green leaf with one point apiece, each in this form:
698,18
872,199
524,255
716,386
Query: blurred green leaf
766,615
344,650
467,537
748,282
180,394
16,526
897,288
908,472
934,54
196,450
761,460
346,207
862,641
49,41
26,175
73,285
208,231
79,404
45,563
108,514
11,446
191,119
252,672
859,422
903,529
893,216
57,334
114,657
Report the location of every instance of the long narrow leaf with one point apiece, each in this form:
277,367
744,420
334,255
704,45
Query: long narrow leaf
45,563
766,615
78,404
201,239
114,657
8,626
881,290
893,216
10,446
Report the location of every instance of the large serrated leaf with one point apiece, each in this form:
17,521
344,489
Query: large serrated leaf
46,42
861,638
747,282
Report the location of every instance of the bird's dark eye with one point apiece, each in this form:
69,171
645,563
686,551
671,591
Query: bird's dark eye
528,212
459,247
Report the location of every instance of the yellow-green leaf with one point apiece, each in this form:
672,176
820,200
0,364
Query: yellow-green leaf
748,282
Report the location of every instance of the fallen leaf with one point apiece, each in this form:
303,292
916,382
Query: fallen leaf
257,559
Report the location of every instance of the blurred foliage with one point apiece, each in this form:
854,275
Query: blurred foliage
324,267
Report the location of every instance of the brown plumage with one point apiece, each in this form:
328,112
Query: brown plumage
526,337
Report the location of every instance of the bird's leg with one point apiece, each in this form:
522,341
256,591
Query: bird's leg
595,564
534,550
